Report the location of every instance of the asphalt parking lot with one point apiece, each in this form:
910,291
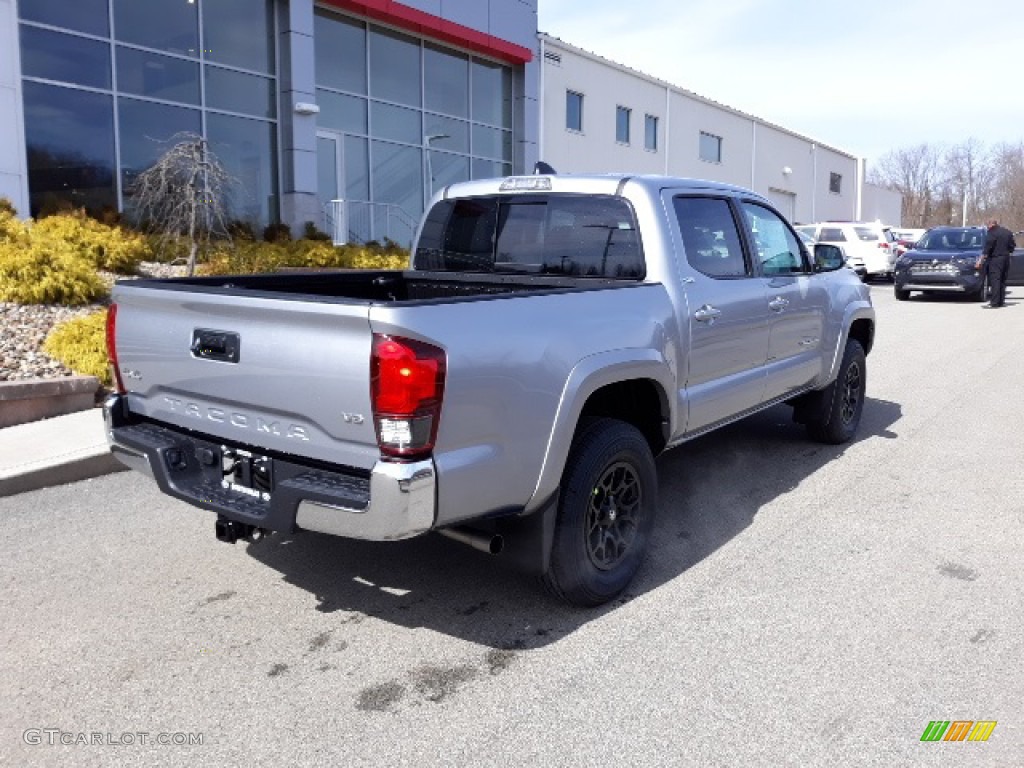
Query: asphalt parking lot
803,605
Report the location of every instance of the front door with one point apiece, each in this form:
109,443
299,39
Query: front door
797,298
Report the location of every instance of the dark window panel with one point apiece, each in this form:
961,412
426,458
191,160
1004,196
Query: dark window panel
446,81
395,123
395,67
70,138
248,150
341,112
492,94
166,26
69,58
340,53
239,33
89,16
147,132
239,92
492,142
446,133
144,73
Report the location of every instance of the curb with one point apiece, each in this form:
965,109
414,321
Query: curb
55,451
25,401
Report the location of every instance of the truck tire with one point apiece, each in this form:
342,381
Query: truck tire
901,294
606,511
842,400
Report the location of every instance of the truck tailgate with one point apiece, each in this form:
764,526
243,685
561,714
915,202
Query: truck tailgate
202,360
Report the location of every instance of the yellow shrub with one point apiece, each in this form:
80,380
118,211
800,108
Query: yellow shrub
37,271
11,227
81,345
245,257
105,247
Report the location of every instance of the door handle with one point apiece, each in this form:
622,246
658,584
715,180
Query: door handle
778,304
707,314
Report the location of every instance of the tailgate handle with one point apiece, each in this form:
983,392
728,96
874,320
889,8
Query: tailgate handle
215,345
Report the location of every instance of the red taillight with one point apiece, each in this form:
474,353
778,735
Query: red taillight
115,370
884,246
406,389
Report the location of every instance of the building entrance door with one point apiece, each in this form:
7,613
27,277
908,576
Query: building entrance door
329,174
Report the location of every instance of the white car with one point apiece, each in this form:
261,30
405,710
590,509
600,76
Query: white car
869,246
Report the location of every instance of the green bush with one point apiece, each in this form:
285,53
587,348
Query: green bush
42,271
112,248
81,345
245,257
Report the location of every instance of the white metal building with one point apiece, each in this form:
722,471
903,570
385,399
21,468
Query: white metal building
601,116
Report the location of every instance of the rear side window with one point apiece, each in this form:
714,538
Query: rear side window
866,233
832,235
710,236
571,235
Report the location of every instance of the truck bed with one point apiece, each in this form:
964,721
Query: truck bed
379,286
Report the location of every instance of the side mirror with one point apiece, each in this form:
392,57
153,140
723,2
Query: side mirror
827,258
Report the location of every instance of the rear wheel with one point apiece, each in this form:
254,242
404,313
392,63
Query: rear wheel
605,514
900,293
843,400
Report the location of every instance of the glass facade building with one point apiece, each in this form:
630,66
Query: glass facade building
372,102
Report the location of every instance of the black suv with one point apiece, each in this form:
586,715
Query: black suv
943,260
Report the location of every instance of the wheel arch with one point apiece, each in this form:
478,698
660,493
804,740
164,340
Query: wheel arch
630,385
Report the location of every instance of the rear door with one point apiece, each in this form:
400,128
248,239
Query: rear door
727,320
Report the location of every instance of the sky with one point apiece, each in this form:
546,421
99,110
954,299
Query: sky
864,76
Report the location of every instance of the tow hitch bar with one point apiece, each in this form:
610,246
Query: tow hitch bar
230,531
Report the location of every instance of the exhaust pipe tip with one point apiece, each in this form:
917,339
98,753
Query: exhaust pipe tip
491,543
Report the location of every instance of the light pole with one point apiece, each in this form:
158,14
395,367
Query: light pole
430,168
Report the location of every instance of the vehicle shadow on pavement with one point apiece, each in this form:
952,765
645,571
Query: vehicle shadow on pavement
710,491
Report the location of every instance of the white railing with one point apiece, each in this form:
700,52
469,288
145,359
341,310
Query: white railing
359,221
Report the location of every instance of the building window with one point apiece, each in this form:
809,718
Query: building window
89,134
388,138
835,183
573,111
651,133
710,147
622,124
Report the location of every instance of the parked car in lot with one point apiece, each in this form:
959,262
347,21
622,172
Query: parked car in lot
869,246
944,259
809,241
906,239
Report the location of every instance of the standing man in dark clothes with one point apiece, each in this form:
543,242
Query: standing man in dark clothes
995,259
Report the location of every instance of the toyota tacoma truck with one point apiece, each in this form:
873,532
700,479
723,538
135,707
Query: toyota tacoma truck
510,390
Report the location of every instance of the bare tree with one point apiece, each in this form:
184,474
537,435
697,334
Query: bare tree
914,173
184,194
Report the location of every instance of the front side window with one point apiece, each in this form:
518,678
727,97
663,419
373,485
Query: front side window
710,236
622,124
651,133
710,147
574,111
567,235
835,183
777,248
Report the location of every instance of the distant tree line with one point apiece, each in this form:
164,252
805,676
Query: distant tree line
937,181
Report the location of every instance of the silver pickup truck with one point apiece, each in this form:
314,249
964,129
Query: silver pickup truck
510,390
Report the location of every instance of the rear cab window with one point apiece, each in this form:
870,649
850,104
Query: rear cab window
711,237
564,235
